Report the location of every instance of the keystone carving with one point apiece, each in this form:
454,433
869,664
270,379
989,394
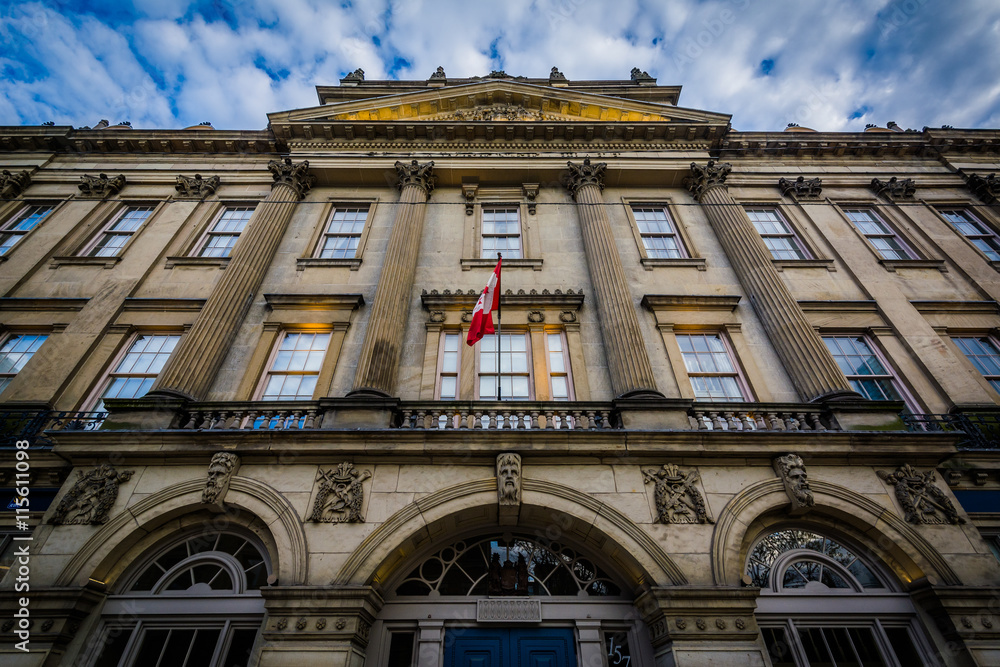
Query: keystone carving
356,75
417,174
509,479
921,500
295,176
894,188
585,174
91,498
196,187
677,498
340,495
792,471
101,185
12,185
556,75
439,74
986,188
800,187
704,178
220,470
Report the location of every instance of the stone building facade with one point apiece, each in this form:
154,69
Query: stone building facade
748,386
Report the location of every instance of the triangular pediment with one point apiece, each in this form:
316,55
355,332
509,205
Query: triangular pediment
498,101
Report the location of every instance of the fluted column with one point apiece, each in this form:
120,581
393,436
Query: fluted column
628,363
807,360
192,366
378,364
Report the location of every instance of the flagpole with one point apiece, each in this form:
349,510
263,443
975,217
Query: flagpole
499,311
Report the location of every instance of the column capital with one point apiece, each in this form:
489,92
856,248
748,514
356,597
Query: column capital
417,174
12,185
585,174
295,176
704,178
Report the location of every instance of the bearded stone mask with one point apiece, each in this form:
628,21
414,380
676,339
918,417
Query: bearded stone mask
220,471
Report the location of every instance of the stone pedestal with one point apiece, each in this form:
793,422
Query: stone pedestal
628,362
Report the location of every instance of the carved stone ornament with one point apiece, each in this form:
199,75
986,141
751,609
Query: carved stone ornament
92,497
921,500
220,470
704,178
439,74
101,185
801,187
556,75
639,75
196,187
340,495
356,75
498,74
295,176
417,174
585,174
12,185
530,192
509,479
986,188
894,188
536,316
498,112
792,471
436,316
677,498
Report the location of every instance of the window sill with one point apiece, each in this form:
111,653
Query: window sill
893,264
353,263
649,262
221,262
105,262
782,264
534,264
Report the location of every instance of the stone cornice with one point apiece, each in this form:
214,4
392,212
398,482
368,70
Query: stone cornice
65,139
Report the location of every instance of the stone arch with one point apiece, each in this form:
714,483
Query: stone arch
891,541
545,506
259,508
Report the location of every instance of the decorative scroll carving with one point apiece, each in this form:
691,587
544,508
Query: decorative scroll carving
498,112
92,497
295,176
196,187
220,470
800,187
986,188
439,74
12,185
101,185
340,495
509,479
639,75
792,471
509,578
556,75
709,176
677,498
417,174
894,188
585,174
356,75
920,498
530,191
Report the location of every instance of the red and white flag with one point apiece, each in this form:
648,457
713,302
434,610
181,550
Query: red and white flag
482,316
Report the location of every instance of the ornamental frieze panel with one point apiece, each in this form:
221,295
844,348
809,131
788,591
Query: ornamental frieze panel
922,501
894,188
196,187
801,187
101,185
678,499
340,495
12,185
91,498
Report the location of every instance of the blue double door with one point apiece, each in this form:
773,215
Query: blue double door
509,647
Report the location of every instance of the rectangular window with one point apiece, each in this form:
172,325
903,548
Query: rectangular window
26,220
559,379
777,234
448,368
515,375
501,232
133,376
343,233
885,240
978,233
15,353
113,238
983,354
295,368
657,231
221,238
710,367
864,370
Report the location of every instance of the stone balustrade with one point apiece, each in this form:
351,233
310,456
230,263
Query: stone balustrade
760,417
507,415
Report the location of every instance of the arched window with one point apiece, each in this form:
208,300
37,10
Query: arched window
194,602
822,603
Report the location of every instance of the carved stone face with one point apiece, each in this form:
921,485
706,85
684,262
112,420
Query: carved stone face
797,480
507,474
217,473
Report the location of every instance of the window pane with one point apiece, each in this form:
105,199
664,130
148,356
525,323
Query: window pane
449,387
240,648
902,645
777,647
401,649
114,647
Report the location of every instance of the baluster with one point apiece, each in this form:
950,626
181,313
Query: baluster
800,422
234,423
251,419
279,419
606,419
732,421
207,424
748,422
296,417
310,419
192,421
699,416
534,425
549,422
591,417
506,420
407,417
578,420
717,424
817,424
773,422
463,419
421,422
761,424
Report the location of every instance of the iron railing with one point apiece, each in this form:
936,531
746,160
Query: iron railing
981,431
31,425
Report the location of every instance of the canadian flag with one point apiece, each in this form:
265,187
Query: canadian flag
482,316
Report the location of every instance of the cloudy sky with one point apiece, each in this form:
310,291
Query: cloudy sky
833,65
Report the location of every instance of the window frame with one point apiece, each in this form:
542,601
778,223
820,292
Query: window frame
793,233
965,209
478,199
882,357
199,247
993,342
739,373
892,226
530,374
311,256
5,337
689,256
96,396
441,373
17,215
282,334
495,207
94,242
567,371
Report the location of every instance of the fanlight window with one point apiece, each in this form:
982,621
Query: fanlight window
520,566
805,557
219,562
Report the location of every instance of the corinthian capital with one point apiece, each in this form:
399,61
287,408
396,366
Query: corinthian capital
12,185
295,176
417,174
585,174
709,176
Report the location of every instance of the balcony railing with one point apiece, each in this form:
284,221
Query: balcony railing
31,425
981,431
759,417
507,416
